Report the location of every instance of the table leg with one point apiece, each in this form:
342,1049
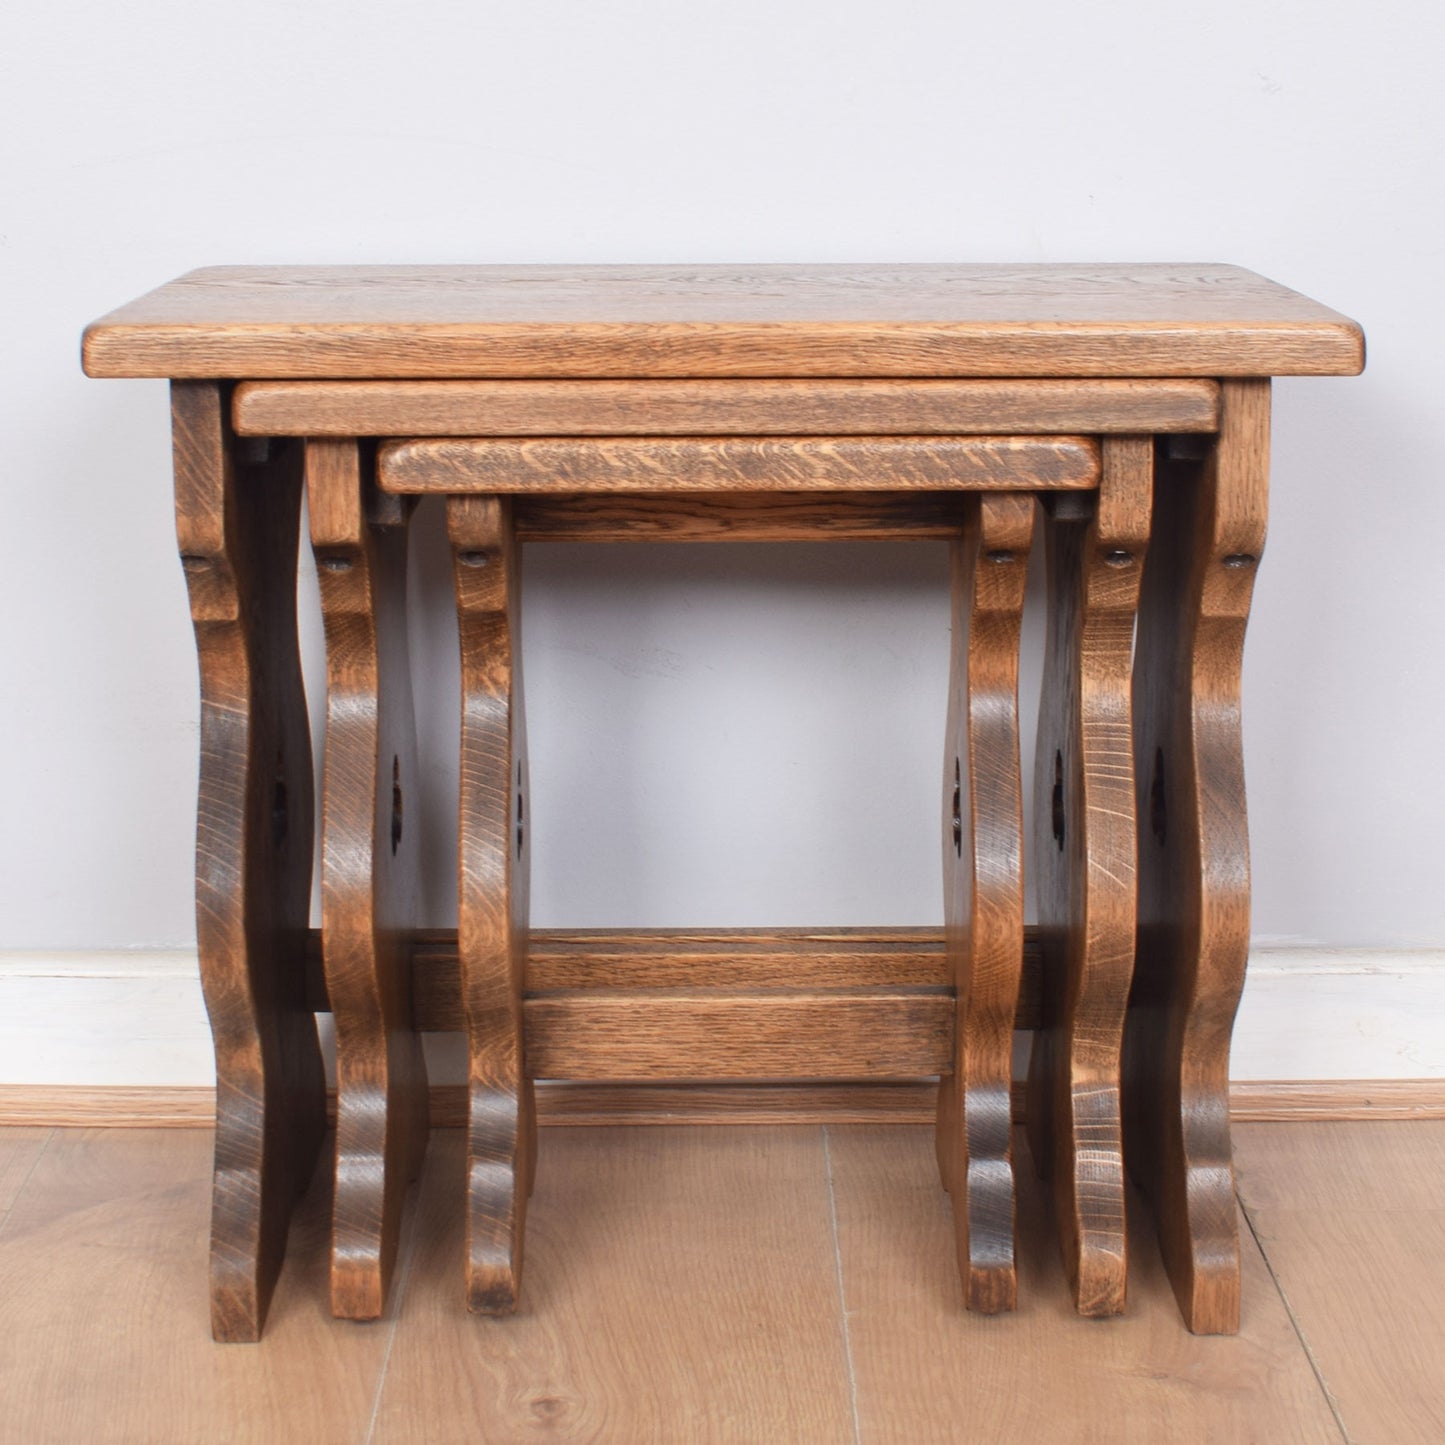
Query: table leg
492,903
237,523
984,891
369,863
1084,858
1194,851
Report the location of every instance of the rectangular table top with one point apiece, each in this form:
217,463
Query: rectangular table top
399,322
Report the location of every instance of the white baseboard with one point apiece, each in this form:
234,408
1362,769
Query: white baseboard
136,1019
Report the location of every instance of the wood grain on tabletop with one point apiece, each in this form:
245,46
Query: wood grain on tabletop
1084,867
369,867
493,855
237,521
1193,938
1352,1217
681,1285
926,1370
103,1258
983,891
454,322
828,407
737,464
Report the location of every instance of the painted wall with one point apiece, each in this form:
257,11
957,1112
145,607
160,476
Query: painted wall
720,736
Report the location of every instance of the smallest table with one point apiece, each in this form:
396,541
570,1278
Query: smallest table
1115,416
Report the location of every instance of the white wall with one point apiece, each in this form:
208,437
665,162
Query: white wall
745,735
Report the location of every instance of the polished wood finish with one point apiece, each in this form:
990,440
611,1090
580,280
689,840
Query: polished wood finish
1209,525
237,522
106,1336
369,866
185,1106
1084,867
827,407
643,1240
20,1151
735,1034
743,403
573,970
1351,1216
767,464
739,517
401,322
492,898
983,892
798,958
924,1370
682,1287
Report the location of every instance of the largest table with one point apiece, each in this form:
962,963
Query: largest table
1117,416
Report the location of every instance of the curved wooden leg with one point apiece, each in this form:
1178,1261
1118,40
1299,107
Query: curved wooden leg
368,868
237,523
1194,852
492,918
1084,850
983,892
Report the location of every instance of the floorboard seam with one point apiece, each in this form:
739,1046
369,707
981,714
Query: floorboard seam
25,1183
399,1299
842,1294
1294,1322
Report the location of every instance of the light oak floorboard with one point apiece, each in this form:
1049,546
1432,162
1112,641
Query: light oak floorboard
1352,1218
107,1334
19,1151
683,1284
679,1285
928,1371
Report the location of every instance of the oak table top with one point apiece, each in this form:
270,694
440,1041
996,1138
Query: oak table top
398,322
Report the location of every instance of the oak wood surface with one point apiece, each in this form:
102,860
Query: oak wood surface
681,1286
396,322
644,1240
827,407
732,464
738,516
1373,1194
983,892
575,958
732,1034
369,868
926,1370
237,522
492,898
26,1107
843,999
103,1256
19,1151
1084,868
1193,937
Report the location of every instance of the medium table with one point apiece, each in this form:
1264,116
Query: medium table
1115,416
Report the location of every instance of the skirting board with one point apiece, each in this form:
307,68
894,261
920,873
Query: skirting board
121,1038
593,1105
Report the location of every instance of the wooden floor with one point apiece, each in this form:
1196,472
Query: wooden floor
700,1284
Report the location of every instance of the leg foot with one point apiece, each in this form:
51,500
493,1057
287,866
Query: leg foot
368,868
983,892
501,1126
1194,853
237,522
1084,853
